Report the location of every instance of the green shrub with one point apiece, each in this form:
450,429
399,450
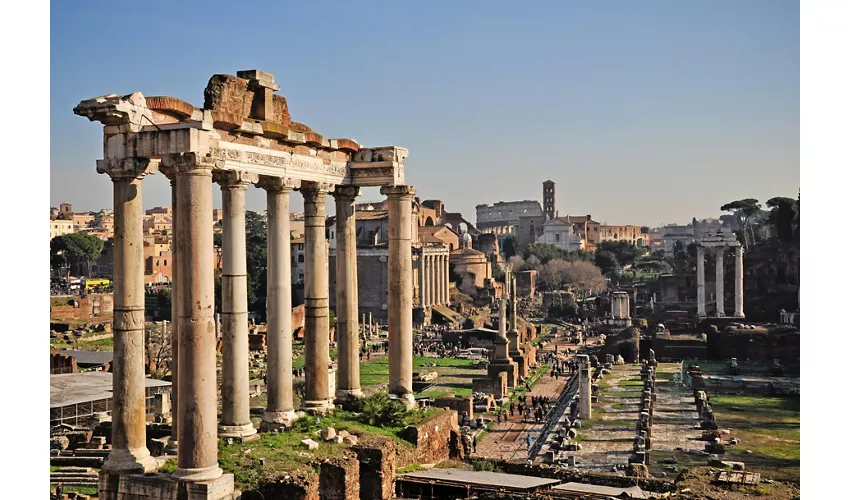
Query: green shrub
484,465
169,466
381,411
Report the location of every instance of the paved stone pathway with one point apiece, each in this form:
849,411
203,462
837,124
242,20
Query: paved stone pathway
507,440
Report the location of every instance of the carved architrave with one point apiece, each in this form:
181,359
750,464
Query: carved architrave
128,168
281,159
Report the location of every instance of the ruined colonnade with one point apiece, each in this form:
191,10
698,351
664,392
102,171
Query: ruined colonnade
718,243
195,148
434,276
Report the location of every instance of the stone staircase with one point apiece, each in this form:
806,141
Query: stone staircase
76,476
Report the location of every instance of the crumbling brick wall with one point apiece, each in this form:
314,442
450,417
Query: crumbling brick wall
432,437
301,485
378,461
62,363
339,478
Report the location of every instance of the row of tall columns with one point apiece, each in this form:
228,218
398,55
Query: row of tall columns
195,424
434,280
400,301
718,279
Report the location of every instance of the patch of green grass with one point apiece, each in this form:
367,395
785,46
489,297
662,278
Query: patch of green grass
409,468
169,466
83,490
769,427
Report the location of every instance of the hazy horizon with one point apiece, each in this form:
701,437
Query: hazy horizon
642,113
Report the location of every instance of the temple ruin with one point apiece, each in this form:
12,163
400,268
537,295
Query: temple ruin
243,135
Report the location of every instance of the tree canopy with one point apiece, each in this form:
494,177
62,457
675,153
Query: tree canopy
744,210
606,261
623,251
74,246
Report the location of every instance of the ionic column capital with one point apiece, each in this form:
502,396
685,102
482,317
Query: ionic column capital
278,184
404,192
315,190
346,192
127,168
234,179
187,164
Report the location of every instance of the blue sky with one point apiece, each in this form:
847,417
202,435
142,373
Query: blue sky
642,112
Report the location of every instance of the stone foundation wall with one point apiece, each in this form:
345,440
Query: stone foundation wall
378,460
456,403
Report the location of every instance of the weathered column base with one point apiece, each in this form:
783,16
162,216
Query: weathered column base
321,406
130,461
277,420
738,315
197,475
245,432
348,394
408,399
164,487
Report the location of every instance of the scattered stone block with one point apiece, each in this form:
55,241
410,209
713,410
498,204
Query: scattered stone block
350,439
328,433
310,444
337,439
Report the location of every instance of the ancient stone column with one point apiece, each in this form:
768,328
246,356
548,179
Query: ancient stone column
280,409
584,387
425,284
400,291
346,294
129,449
502,343
316,320
235,402
513,334
197,458
700,281
718,273
176,244
435,282
739,282
448,280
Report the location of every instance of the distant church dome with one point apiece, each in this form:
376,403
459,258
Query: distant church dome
467,238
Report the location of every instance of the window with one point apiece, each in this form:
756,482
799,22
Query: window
300,257
557,237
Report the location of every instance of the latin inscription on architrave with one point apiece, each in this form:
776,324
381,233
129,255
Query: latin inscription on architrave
288,160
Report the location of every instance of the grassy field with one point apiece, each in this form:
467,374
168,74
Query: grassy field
104,344
455,375
769,427
719,367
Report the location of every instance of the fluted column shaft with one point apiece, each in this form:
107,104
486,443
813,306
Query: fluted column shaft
718,281
739,282
280,409
346,293
400,291
316,320
197,458
700,281
447,274
129,450
235,402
